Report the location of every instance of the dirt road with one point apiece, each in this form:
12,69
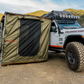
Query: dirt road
53,71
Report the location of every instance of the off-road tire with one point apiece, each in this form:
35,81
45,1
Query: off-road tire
77,51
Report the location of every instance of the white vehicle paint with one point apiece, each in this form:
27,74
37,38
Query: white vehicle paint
57,39
67,35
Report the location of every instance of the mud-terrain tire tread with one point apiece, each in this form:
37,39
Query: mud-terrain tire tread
80,48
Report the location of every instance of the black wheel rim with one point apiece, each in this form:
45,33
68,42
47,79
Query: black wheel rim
71,57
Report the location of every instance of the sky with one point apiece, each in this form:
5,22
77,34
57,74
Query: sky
27,6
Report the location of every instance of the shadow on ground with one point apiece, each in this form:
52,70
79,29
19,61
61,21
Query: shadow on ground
52,55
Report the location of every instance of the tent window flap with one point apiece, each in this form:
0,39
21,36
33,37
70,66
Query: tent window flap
29,39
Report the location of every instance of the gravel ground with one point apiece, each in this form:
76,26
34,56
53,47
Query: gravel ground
53,71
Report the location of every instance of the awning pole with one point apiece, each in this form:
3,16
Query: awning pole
1,45
2,41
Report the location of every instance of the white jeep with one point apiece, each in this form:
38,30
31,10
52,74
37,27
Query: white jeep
67,35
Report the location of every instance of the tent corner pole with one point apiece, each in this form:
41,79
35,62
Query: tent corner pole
2,40
1,46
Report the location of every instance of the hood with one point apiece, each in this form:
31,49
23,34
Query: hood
79,31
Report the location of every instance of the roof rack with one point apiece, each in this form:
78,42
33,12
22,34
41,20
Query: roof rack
61,15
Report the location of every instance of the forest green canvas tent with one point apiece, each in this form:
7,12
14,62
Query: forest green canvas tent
24,39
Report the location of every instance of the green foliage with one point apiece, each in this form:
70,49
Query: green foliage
1,16
77,13
81,20
37,13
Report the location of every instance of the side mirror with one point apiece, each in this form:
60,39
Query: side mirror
53,29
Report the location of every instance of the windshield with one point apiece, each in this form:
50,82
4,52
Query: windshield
68,24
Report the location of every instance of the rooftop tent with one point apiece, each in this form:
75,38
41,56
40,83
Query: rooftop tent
24,38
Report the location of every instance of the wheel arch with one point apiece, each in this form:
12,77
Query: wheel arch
73,38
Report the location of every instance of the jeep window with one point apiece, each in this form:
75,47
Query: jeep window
68,24
53,28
